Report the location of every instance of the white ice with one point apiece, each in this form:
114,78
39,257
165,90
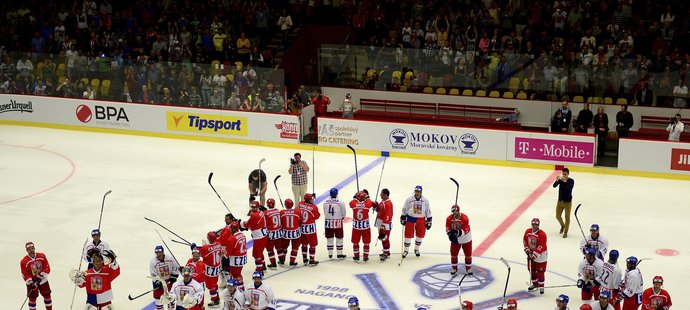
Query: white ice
52,183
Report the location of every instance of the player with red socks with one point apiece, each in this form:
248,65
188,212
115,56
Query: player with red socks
290,222
211,255
361,230
656,297
257,224
416,217
272,216
35,269
310,213
98,281
384,217
631,287
460,236
534,242
236,245
589,274
198,270
334,213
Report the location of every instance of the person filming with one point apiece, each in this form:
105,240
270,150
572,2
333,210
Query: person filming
675,128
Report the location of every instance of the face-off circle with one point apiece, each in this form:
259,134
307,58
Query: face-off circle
84,113
667,252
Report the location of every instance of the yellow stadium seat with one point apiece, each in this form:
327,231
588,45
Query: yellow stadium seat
514,84
61,71
238,65
494,94
231,78
105,90
608,100
409,74
481,93
454,91
403,88
95,83
578,99
525,84
622,101
522,95
397,74
428,90
594,100
441,91
215,66
467,92
508,95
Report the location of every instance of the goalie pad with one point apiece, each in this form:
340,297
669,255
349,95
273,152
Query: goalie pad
188,301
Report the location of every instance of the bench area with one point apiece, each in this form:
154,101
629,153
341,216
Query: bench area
444,114
654,128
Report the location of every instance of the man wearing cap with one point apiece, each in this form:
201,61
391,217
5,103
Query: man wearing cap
35,269
562,302
631,287
416,217
611,276
162,268
656,297
98,281
467,305
596,241
589,274
603,302
259,296
187,293
95,245
348,107
233,297
199,271
534,242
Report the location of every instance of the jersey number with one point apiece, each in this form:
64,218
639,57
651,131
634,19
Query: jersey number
331,210
290,221
275,220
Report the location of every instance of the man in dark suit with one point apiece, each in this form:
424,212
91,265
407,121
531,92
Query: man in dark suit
644,96
601,128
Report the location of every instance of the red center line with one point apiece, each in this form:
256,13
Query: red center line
512,217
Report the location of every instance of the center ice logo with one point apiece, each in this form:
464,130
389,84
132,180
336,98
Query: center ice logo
436,282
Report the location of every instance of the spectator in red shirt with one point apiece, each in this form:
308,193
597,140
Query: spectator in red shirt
320,102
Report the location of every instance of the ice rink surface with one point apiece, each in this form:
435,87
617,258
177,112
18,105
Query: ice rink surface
53,181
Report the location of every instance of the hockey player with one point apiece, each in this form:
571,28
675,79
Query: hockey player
460,236
586,307
259,296
198,270
611,276
310,213
233,298
163,268
655,297
603,302
291,222
631,287
211,256
384,218
95,245
334,212
562,302
589,274
223,237
257,224
360,224
274,242
353,303
236,246
187,293
595,241
98,281
534,242
416,217
35,269
512,304
467,305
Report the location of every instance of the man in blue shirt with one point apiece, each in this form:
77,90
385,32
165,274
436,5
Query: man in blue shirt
565,198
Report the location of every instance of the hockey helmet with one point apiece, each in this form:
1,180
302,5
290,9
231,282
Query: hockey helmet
158,248
271,203
468,304
658,279
308,197
232,282
455,208
257,274
353,301
591,251
421,308
418,188
632,260
613,255
186,271
234,226
605,294
594,227
585,307
563,298
334,192
29,245
255,204
512,303
289,203
536,221
361,196
211,236
95,232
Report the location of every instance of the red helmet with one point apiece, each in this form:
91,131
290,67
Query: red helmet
361,195
535,221
512,302
308,197
468,304
585,307
255,204
658,279
234,227
455,208
289,204
271,203
211,236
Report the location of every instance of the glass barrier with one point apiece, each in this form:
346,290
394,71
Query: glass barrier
602,76
233,86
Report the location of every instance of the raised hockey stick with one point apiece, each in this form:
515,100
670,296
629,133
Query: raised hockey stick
81,260
378,187
210,176
505,288
167,248
170,231
100,217
179,242
275,184
140,295
356,170
457,189
578,221
313,171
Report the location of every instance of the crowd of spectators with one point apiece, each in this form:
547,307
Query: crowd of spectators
590,48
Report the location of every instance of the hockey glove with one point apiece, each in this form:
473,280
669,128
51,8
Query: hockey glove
428,225
403,219
30,283
188,301
596,283
453,236
172,279
580,283
382,235
192,246
110,255
533,256
157,284
588,285
528,252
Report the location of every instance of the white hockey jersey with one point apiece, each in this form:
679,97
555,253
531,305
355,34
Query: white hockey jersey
416,208
590,271
165,268
259,298
237,299
632,283
89,246
611,276
180,289
601,244
597,306
334,211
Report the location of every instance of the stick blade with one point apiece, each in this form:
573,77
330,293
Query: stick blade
454,181
351,148
577,209
108,192
276,179
130,297
505,262
210,176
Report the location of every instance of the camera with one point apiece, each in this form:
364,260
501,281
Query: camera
673,120
293,161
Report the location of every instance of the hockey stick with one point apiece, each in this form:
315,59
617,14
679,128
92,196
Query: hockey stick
313,171
378,187
505,289
81,260
210,176
179,242
578,221
460,289
167,248
457,189
24,303
641,259
142,294
557,286
275,184
102,205
529,269
356,170
170,231
402,246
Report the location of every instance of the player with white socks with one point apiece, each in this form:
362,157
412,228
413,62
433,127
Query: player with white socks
589,275
595,241
259,295
611,278
334,212
163,268
186,293
632,289
416,217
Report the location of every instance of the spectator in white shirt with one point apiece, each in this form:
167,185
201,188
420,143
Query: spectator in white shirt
675,128
680,92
